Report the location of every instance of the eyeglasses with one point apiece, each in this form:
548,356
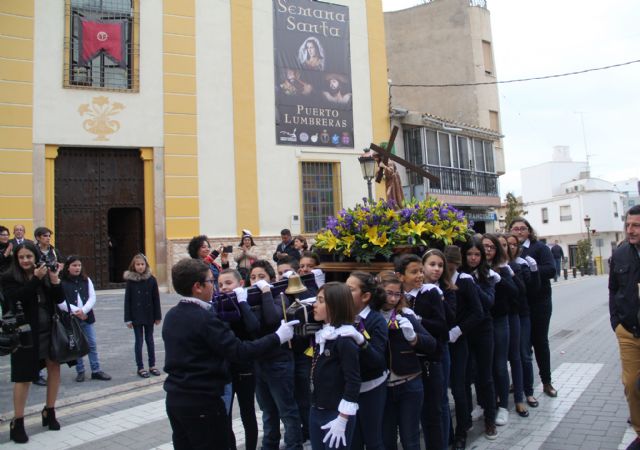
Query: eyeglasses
208,280
519,229
513,245
489,247
4,234
393,294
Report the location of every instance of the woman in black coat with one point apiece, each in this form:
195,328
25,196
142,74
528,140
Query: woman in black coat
539,302
36,291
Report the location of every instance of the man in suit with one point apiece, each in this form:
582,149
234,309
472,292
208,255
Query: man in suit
285,248
18,235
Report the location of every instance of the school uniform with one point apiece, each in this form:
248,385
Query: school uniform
373,372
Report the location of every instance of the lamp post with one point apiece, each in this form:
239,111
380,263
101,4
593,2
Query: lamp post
502,223
587,224
368,168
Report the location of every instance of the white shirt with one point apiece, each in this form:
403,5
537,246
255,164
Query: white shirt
84,307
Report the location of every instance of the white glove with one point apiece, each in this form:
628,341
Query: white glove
319,276
288,273
407,329
336,433
533,265
261,284
353,334
454,334
241,294
308,301
285,330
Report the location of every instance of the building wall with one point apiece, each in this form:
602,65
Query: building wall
545,180
16,113
203,117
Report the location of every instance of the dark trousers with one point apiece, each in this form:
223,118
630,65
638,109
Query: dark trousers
459,359
402,411
526,355
500,358
368,429
320,417
147,331
540,318
274,392
431,417
514,358
302,392
447,425
243,382
199,427
480,343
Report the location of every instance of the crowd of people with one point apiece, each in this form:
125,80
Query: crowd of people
391,348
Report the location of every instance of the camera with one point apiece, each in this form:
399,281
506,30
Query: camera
228,249
52,265
15,332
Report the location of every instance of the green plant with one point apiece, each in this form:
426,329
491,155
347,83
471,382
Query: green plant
514,208
582,256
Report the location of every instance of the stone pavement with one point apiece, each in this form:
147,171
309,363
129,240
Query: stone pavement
589,413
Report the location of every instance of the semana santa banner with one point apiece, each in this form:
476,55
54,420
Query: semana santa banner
312,74
102,36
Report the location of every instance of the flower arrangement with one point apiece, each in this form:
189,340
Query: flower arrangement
375,229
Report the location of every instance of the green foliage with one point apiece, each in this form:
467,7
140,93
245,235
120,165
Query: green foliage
582,257
514,208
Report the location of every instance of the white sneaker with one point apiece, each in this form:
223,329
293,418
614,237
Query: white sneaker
477,413
502,417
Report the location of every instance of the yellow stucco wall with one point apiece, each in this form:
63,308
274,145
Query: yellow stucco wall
16,113
180,119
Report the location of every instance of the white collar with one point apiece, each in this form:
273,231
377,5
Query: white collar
414,292
365,312
526,243
197,301
329,333
454,277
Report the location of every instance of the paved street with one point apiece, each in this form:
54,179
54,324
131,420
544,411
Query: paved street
128,412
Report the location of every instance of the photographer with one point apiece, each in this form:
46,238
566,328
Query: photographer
36,289
47,254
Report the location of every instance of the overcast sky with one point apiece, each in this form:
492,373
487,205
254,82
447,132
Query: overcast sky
546,37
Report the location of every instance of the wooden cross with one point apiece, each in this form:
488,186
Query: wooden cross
386,155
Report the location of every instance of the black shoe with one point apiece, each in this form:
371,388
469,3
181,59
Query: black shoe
49,419
80,377
459,443
16,431
490,431
100,375
41,381
548,389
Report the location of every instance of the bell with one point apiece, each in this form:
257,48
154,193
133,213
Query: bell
295,286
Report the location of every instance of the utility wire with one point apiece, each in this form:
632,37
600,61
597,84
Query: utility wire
519,80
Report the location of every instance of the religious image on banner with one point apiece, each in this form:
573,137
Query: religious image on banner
107,37
314,102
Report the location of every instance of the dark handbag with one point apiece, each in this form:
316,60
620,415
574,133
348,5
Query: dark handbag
68,341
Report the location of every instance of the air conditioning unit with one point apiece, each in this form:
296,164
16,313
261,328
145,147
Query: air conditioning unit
295,224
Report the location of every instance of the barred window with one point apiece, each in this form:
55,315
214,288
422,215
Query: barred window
100,44
320,187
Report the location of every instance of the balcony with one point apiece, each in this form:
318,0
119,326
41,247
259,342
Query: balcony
457,182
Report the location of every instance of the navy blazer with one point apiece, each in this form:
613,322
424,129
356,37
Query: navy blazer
546,269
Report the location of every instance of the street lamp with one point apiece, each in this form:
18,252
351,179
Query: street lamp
587,224
368,168
502,223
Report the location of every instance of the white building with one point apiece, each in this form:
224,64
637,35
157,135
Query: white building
559,194
631,189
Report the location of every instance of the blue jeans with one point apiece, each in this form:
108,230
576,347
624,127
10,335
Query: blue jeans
320,417
500,357
302,392
402,410
90,333
368,429
514,358
558,264
526,355
274,392
145,332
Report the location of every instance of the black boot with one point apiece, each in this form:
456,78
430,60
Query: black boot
49,418
16,431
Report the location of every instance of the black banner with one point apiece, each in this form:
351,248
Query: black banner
312,74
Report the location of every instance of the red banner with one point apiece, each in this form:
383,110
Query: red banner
97,36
